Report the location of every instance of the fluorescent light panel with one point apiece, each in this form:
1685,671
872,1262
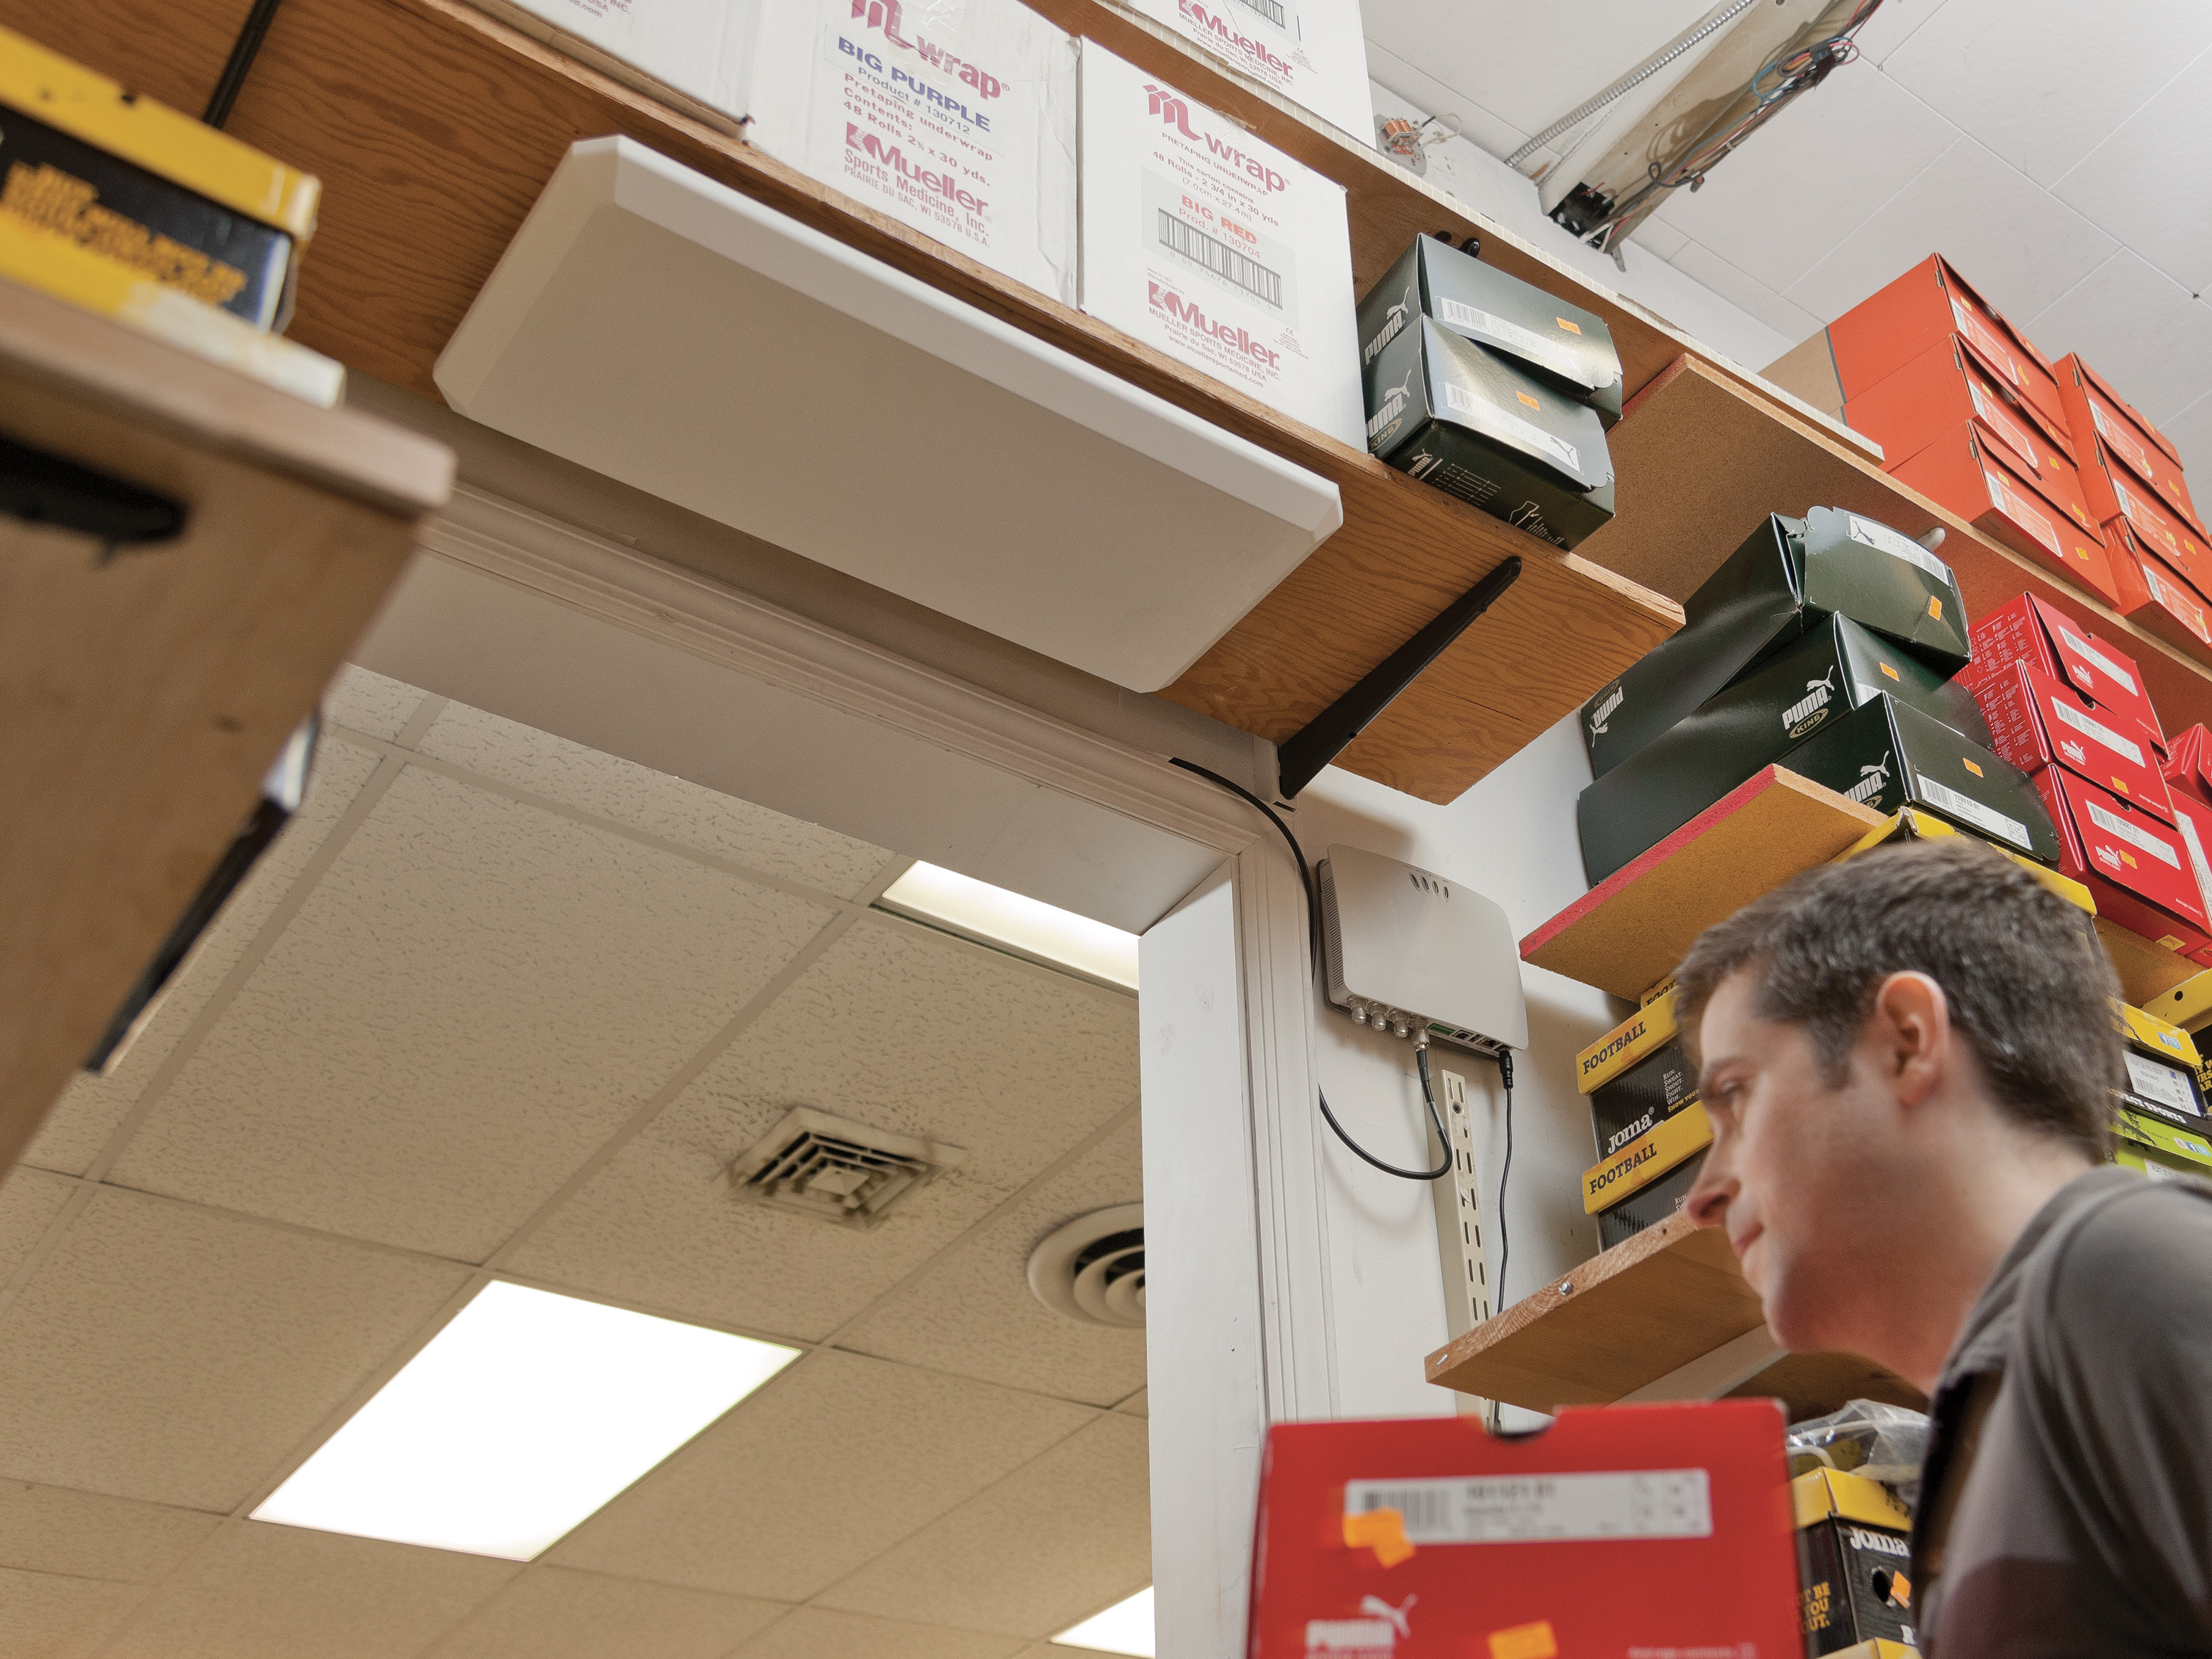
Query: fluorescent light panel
1125,1627
1024,925
527,1413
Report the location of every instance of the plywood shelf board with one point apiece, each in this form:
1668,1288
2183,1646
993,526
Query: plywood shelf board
1628,931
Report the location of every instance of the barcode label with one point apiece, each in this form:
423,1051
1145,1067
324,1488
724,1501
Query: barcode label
1982,335
2022,514
2112,824
1538,348
1500,1510
2143,519
2121,440
2165,1084
1223,260
2000,421
1959,805
1270,9
2196,852
2101,733
2089,653
1463,402
2179,603
1867,532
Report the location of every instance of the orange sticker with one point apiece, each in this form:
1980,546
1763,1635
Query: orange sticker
2120,785
1382,1531
2129,859
1525,1642
1571,328
1970,767
1935,607
1528,400
1892,673
2170,942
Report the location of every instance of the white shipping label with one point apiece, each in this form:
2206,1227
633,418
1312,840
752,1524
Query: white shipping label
2143,519
2089,653
2174,600
1960,806
1536,348
1522,1509
2167,1084
1880,535
2000,421
1314,53
2120,438
2016,507
1503,423
2097,731
2112,824
2187,825
1984,336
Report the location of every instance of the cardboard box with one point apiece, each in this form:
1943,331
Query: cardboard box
1644,1033
2171,537
2045,637
1855,1561
1757,721
1946,387
1647,1158
1649,1206
2188,1005
2193,820
2188,767
2037,722
1786,579
1888,755
2152,596
1884,332
1313,52
958,121
1641,1099
1977,479
2162,1151
1467,422
1625,1529
2099,415
1569,349
2136,866
1216,248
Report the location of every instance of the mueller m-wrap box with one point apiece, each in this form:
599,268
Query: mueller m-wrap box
1626,1530
957,117
2160,1150
1216,248
1467,422
1788,577
1855,1561
1570,349
2052,642
1313,52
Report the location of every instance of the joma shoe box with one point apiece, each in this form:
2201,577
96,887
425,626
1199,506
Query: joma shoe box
1467,422
1979,480
1646,1181
2036,722
1760,720
1216,248
1314,53
2138,868
2099,415
1947,387
1788,577
1884,332
2056,645
1568,348
1854,1561
1636,1076
958,121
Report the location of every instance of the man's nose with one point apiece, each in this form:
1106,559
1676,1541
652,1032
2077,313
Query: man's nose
1710,1194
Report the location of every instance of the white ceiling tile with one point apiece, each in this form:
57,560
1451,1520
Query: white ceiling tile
1678,299
2039,82
91,1108
1658,236
1423,95
669,807
29,1200
1810,177
1894,22
266,1592
552,1613
971,1311
1077,1519
47,1616
370,702
2138,328
166,1354
1748,294
836,1460
819,1633
88,1535
2139,183
898,1027
2018,247
476,995
2191,432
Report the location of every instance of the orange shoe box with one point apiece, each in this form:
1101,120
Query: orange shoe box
2097,415
2171,537
1884,332
1973,475
2030,631
1945,387
2152,596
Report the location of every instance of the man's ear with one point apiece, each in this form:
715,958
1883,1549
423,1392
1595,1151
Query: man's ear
1912,1034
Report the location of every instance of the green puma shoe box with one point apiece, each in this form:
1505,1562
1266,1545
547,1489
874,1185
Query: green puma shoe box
1819,677
1786,579
1888,755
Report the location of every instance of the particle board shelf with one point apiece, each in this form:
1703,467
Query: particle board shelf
1627,933
1634,1314
147,692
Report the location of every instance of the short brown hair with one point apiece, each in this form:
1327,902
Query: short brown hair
2028,988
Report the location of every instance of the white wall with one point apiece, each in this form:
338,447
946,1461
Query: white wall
1511,838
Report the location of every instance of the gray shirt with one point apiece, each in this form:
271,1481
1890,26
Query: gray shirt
2066,1501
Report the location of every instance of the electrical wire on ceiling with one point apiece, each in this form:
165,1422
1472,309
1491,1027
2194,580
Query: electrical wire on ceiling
1695,35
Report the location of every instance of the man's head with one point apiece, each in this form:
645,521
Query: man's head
1873,1039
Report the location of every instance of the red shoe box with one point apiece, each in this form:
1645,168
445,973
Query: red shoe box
1947,387
1968,472
2048,639
2173,538
2035,722
2136,868
2152,596
2189,766
1656,1529
2193,818
1884,332
2099,415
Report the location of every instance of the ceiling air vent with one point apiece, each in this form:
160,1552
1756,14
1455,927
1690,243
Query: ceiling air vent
1093,1268
837,1170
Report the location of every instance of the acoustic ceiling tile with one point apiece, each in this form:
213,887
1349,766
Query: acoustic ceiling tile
2191,432
2139,182
821,1633
2139,329
1748,294
368,702
29,1201
85,1534
552,1613
46,1616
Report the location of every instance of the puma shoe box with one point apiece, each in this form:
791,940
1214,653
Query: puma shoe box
1216,248
1854,1561
2162,1065
2137,867
957,121
1819,678
1313,52
2047,640
2037,722
1648,1179
1987,484
1636,1075
1911,317
1468,422
2175,540
1562,345
1786,579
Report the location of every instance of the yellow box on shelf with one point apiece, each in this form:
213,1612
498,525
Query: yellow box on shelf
1647,1158
1643,1032
2157,1038
2188,1004
1912,824
1818,1493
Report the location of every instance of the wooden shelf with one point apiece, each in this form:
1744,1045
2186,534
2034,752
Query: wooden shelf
149,692
1635,1313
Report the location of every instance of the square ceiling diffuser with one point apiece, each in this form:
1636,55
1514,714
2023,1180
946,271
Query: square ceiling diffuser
837,1170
